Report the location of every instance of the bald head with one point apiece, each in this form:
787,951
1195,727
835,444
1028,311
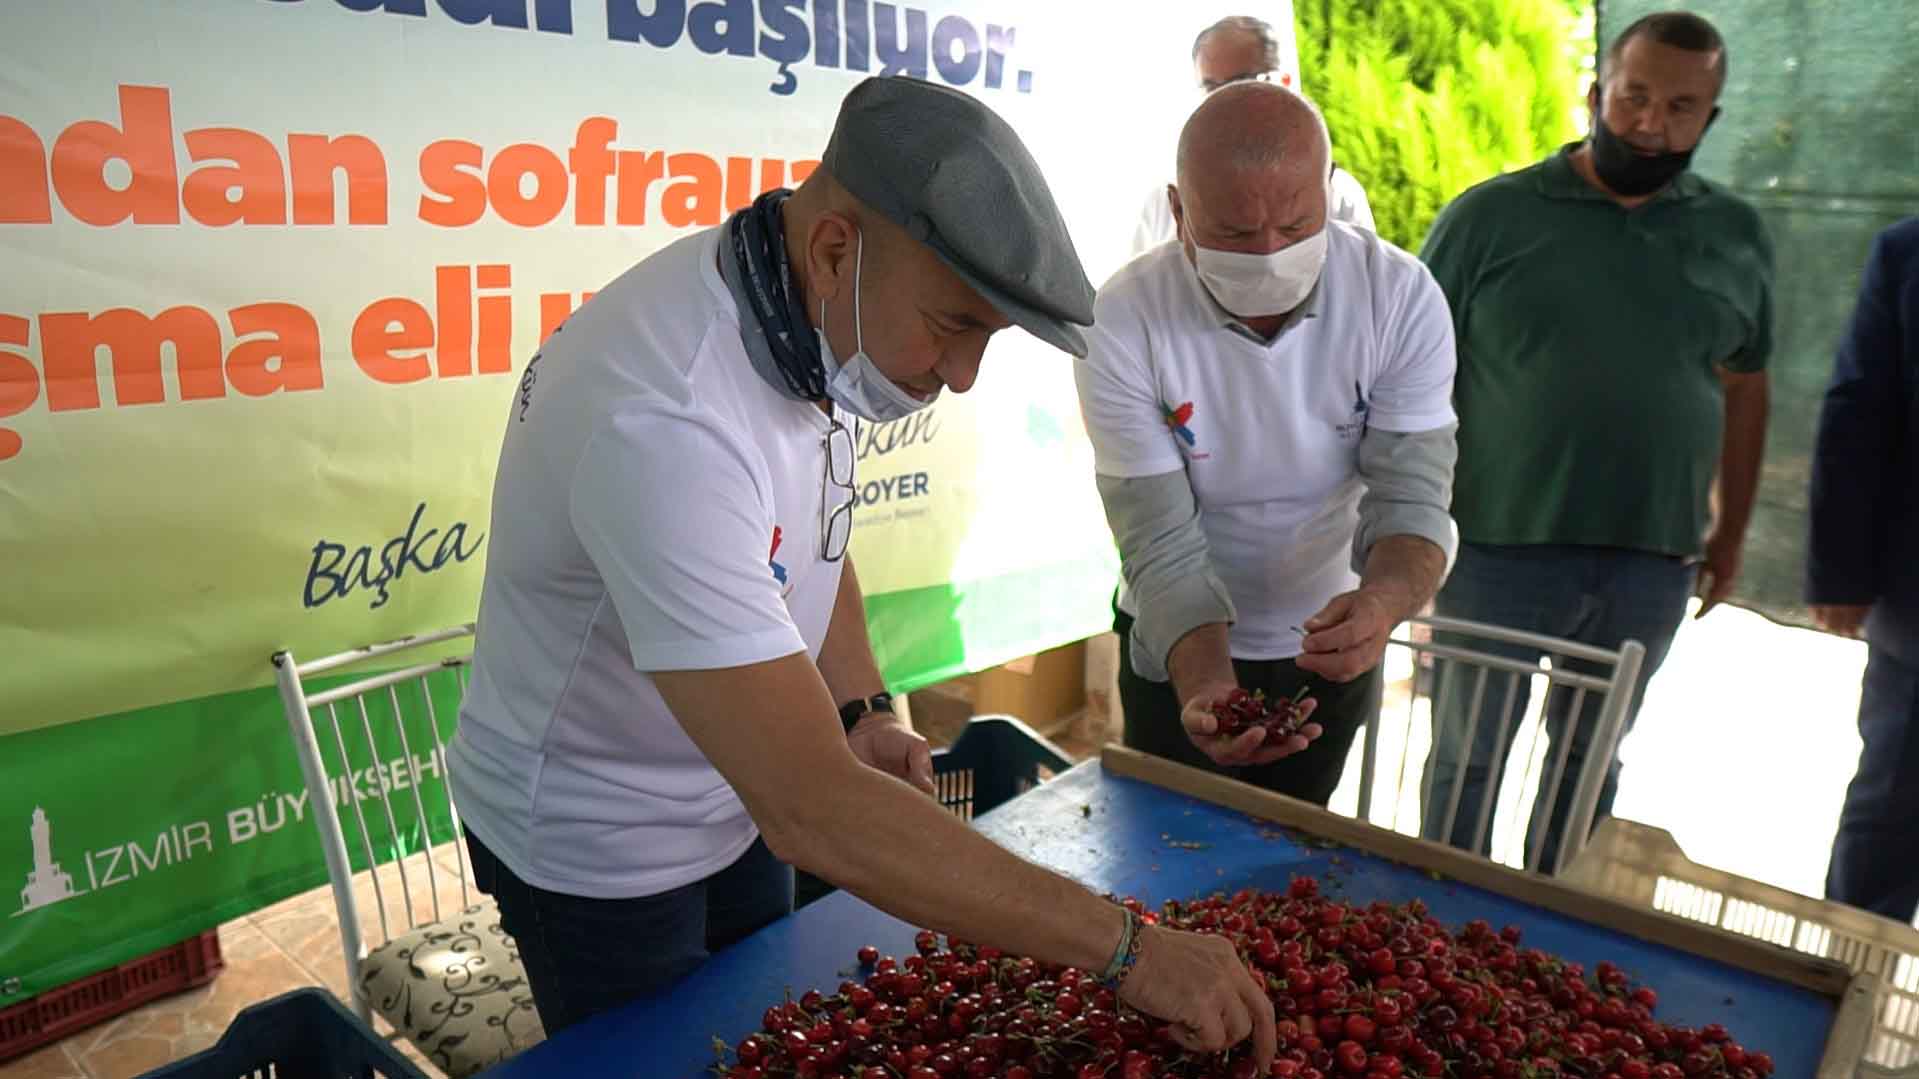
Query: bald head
1253,126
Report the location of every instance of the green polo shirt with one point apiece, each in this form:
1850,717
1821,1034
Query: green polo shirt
1589,337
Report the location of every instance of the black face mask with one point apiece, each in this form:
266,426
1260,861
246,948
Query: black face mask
1629,172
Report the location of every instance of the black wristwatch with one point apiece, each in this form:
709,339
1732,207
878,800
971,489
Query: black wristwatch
853,711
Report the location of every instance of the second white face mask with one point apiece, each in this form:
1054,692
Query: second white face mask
1257,286
858,385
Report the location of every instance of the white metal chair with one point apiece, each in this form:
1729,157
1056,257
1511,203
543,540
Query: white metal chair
1522,670
450,979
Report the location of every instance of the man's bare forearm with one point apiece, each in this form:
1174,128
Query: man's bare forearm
768,729
1201,659
1742,449
1406,572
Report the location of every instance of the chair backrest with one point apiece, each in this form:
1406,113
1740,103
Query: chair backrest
1486,665
389,731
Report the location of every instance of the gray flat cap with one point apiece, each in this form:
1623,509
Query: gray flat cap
957,178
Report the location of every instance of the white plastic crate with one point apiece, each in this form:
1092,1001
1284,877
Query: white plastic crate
1638,864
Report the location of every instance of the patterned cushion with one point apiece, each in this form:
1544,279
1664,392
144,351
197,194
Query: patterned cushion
454,988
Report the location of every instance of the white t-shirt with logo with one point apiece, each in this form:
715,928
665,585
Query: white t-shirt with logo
1267,433
657,507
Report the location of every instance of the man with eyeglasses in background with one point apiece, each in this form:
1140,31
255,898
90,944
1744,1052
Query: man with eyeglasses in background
1241,48
669,622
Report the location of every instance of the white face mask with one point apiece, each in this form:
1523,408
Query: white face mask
1257,286
857,385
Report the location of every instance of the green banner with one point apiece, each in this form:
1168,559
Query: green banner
120,844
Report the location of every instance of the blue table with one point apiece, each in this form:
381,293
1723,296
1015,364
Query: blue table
1128,837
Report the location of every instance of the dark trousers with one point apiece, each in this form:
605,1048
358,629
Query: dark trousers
1593,595
1153,725
1875,857
586,956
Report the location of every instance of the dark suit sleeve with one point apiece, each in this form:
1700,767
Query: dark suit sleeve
1854,454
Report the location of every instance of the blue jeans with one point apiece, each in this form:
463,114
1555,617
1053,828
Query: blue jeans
1601,596
586,956
1875,858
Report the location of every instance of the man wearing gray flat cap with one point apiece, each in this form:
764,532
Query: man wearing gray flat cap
669,620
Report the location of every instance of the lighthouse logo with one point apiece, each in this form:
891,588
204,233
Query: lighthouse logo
47,883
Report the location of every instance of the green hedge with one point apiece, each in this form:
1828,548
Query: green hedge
1428,97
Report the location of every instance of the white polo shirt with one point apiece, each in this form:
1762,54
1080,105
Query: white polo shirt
1267,432
657,507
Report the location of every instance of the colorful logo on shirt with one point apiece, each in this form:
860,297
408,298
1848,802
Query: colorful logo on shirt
1177,419
779,571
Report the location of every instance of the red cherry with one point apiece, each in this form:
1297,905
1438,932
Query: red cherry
868,955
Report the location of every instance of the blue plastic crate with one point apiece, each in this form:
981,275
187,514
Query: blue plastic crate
996,759
305,1034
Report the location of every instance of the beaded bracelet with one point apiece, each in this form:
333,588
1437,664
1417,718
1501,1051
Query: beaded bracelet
1125,954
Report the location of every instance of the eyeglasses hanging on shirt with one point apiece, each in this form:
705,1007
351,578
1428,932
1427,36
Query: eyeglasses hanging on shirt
836,491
